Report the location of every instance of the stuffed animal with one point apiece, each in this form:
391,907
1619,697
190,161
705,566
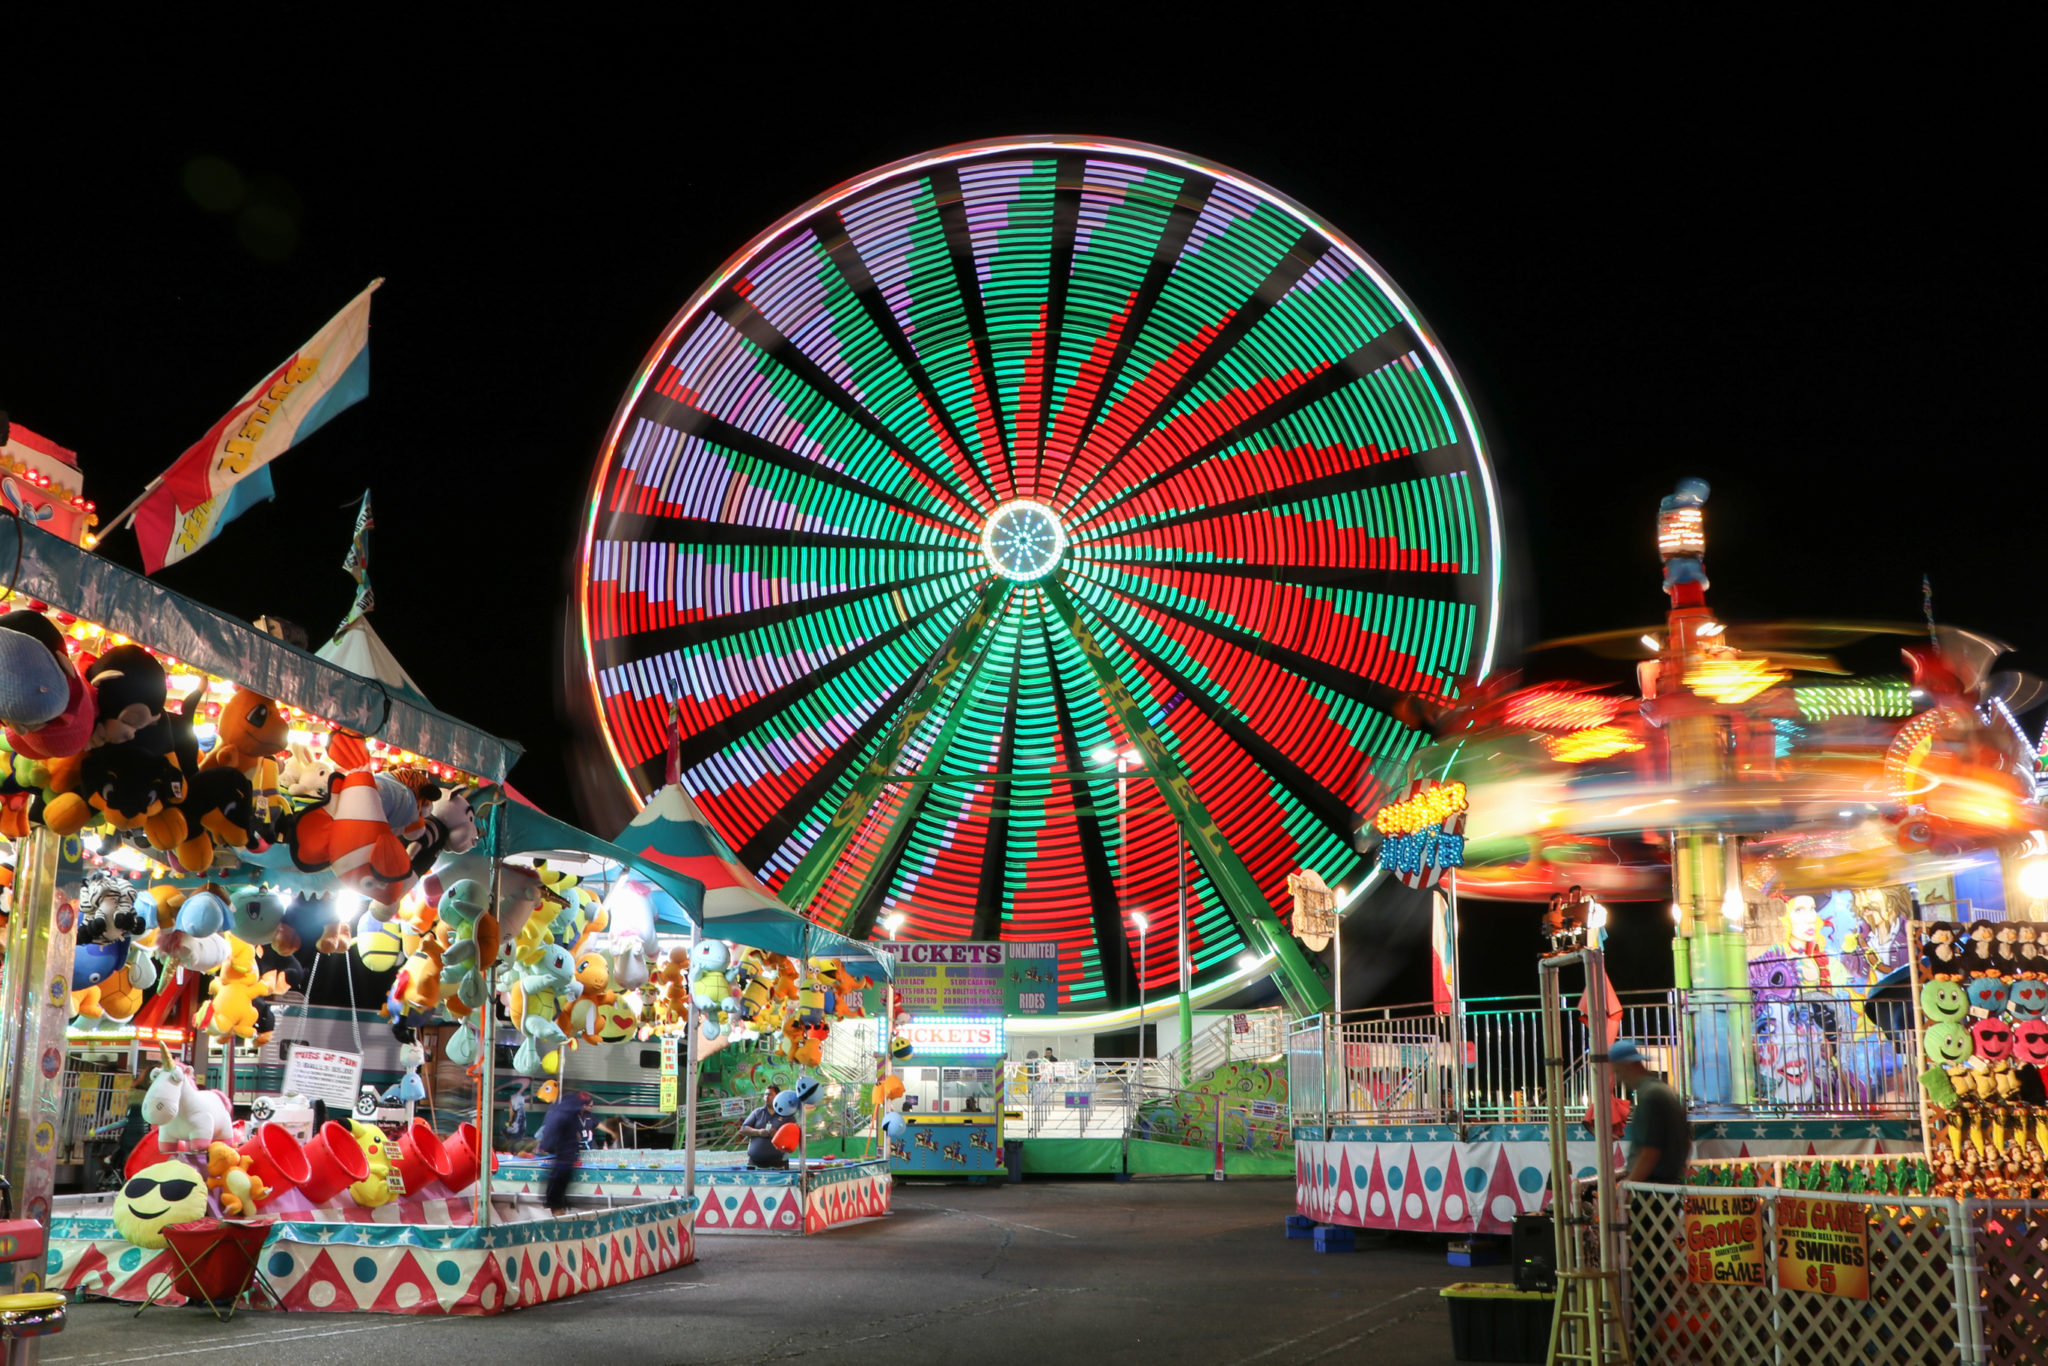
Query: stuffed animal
537,999
131,691
305,775
232,1175
128,788
182,1111
33,688
254,735
235,992
121,994
375,1189
68,731
219,813
349,836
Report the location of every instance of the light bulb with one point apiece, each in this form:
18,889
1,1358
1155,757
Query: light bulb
1733,909
2034,877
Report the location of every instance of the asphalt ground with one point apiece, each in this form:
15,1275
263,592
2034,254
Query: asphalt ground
1043,1273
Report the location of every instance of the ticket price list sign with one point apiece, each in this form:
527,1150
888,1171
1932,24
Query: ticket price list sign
1824,1247
670,1071
978,978
1724,1240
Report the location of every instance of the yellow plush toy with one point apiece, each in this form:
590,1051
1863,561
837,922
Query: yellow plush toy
235,991
375,1189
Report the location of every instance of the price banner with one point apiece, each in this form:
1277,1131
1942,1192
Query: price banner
983,978
1724,1240
1824,1247
670,1048
668,1093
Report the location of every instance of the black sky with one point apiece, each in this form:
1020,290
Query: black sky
1815,281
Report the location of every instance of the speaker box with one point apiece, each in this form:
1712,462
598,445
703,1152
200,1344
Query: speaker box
1533,1252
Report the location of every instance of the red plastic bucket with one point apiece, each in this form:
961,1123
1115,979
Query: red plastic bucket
335,1162
276,1159
460,1148
421,1157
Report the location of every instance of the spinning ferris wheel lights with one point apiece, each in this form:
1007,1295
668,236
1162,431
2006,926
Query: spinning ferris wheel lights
1010,453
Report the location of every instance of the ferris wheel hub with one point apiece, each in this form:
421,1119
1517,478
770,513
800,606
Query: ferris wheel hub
1023,540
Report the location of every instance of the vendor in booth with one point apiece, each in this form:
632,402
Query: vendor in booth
759,1130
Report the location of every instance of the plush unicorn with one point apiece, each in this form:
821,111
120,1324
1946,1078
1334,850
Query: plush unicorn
184,1112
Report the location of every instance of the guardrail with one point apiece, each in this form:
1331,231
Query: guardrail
1789,1051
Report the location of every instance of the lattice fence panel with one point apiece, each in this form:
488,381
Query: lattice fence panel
2011,1243
1676,1321
1911,1313
1910,1318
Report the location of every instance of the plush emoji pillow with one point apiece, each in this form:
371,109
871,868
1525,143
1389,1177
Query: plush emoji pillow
157,1197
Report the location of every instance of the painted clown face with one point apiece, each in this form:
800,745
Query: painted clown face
157,1197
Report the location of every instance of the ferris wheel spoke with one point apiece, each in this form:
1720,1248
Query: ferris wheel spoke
946,515
996,444
1162,399
691,634
1423,585
1112,936
1228,711
1032,414
1376,693
1097,367
966,477
1176,454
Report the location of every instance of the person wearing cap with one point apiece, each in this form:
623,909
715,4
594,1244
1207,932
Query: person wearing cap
1659,1136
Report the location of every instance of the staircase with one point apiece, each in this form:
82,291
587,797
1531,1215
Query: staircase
1264,1037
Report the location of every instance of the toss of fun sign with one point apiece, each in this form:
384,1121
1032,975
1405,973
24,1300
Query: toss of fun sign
1724,1240
1824,1247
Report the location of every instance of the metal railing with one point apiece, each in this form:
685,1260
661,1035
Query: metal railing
1085,1098
1793,1051
1246,1036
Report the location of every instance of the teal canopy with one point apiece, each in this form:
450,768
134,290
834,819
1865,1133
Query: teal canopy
680,899
83,584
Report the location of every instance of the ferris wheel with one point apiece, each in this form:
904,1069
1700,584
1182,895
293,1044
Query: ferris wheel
1028,530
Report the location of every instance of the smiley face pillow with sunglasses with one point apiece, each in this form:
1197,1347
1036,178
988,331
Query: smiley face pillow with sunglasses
155,1198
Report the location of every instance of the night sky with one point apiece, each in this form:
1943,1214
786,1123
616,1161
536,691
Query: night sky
1821,292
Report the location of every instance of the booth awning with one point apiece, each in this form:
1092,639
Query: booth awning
691,888
84,585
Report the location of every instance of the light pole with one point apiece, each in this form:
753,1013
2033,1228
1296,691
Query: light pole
1141,920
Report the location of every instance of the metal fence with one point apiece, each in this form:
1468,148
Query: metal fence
1950,1283
1791,1051
1085,1098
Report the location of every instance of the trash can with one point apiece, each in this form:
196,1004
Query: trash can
27,1319
1493,1321
1013,1158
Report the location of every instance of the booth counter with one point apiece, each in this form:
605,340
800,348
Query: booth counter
826,1193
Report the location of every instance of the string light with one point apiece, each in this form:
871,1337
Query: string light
1729,679
1596,742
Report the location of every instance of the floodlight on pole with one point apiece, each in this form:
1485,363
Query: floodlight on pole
892,922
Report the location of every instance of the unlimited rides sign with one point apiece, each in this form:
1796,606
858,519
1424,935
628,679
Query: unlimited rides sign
1423,834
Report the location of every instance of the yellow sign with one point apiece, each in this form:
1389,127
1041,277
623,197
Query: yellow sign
1724,1240
1431,806
1824,1247
668,1093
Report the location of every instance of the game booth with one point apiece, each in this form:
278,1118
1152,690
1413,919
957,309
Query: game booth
335,824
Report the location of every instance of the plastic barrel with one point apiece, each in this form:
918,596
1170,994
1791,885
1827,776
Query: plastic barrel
146,1153
421,1158
336,1162
276,1159
460,1148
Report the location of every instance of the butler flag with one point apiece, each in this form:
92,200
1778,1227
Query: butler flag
225,473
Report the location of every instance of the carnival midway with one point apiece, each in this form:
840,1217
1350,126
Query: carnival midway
1031,593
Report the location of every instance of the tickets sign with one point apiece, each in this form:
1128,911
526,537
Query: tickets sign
1724,1240
1824,1247
975,978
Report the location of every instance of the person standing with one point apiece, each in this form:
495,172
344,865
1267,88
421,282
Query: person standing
561,1138
1659,1136
759,1129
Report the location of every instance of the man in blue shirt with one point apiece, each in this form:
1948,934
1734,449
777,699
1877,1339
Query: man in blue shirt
561,1138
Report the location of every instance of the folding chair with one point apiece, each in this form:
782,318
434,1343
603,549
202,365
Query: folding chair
219,1262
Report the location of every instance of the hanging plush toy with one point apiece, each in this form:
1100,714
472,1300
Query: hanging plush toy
539,996
349,835
254,735
67,730
235,992
131,690
710,992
